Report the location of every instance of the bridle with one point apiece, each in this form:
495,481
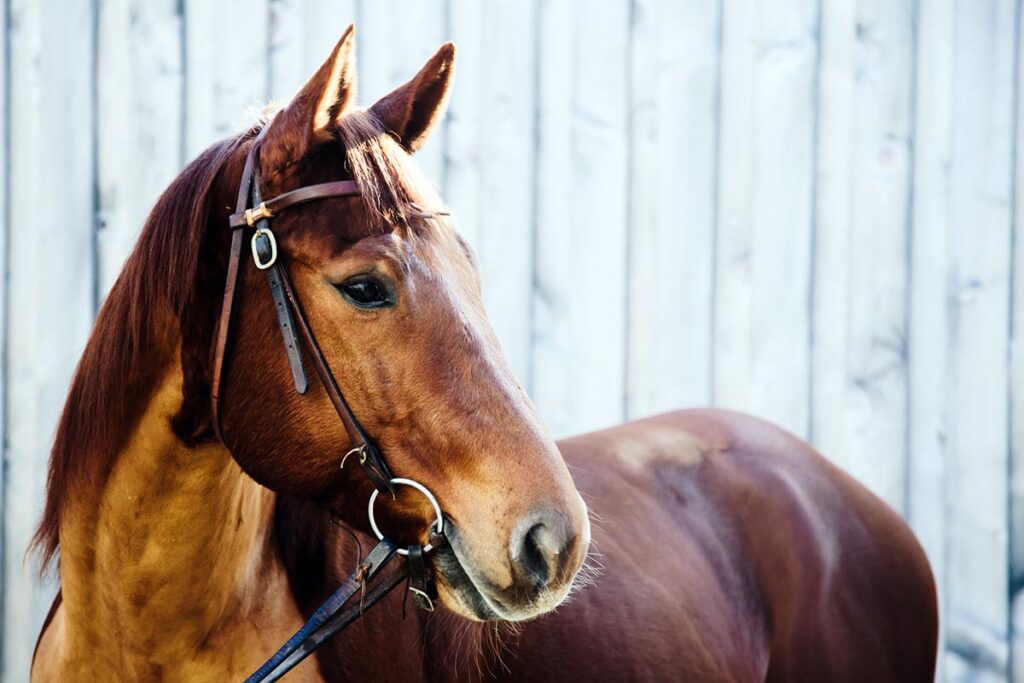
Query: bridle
253,213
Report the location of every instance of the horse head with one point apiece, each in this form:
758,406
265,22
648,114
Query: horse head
393,296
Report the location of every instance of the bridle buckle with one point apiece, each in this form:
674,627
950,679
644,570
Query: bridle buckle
264,248
257,214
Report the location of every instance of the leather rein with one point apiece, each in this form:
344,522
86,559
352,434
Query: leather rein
254,215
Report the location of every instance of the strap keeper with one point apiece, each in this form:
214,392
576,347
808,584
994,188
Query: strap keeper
257,214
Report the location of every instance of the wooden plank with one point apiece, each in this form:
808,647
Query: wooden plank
673,151
831,300
465,121
226,70
5,325
302,35
1016,523
51,276
861,309
766,173
579,362
930,320
500,177
139,85
980,230
397,37
553,340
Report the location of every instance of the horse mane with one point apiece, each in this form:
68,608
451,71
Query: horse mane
122,362
169,289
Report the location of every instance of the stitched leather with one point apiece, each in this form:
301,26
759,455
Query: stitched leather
339,188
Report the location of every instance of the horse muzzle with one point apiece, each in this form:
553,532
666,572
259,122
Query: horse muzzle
545,552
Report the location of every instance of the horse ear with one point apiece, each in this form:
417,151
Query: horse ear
412,110
307,118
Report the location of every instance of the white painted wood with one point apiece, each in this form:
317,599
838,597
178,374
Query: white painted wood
929,329
5,322
980,219
226,70
505,134
464,124
1016,521
397,39
554,284
661,220
139,87
870,232
302,35
766,173
579,365
673,152
831,296
51,276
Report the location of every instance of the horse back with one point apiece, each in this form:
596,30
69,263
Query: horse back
728,549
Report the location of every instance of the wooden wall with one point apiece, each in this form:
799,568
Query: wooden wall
806,209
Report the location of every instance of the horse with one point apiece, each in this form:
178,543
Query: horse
699,545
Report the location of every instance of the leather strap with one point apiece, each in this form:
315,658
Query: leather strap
270,208
421,580
274,275
341,621
369,456
305,640
227,306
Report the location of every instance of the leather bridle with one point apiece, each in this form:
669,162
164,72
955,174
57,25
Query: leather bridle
286,304
253,213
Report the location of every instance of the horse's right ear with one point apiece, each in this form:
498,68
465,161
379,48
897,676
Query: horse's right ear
307,118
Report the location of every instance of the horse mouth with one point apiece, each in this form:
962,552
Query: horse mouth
472,596
456,582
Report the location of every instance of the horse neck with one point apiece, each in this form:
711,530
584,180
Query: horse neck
169,551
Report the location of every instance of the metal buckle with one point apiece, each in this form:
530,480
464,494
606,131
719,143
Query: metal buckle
263,233
256,214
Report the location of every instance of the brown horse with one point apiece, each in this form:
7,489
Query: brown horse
723,548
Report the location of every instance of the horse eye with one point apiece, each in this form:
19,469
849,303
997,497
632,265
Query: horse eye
365,292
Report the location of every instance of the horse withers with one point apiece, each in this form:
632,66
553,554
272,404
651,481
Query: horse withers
721,549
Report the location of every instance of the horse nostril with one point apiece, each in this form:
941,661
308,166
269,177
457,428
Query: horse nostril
536,553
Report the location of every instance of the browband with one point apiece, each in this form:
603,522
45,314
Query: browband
292,320
263,210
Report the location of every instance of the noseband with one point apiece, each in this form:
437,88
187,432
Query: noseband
255,214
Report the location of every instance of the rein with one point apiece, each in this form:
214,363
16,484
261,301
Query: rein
255,214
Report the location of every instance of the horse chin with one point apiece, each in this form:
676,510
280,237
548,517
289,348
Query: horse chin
463,595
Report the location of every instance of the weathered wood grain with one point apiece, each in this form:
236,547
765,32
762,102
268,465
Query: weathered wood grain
139,117
672,185
227,71
579,360
51,277
930,314
860,304
765,200
980,214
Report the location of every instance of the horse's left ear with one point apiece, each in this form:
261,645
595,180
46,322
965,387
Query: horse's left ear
412,110
324,98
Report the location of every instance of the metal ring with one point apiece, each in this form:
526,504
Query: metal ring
438,523
264,232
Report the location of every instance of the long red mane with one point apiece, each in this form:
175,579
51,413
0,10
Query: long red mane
155,298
